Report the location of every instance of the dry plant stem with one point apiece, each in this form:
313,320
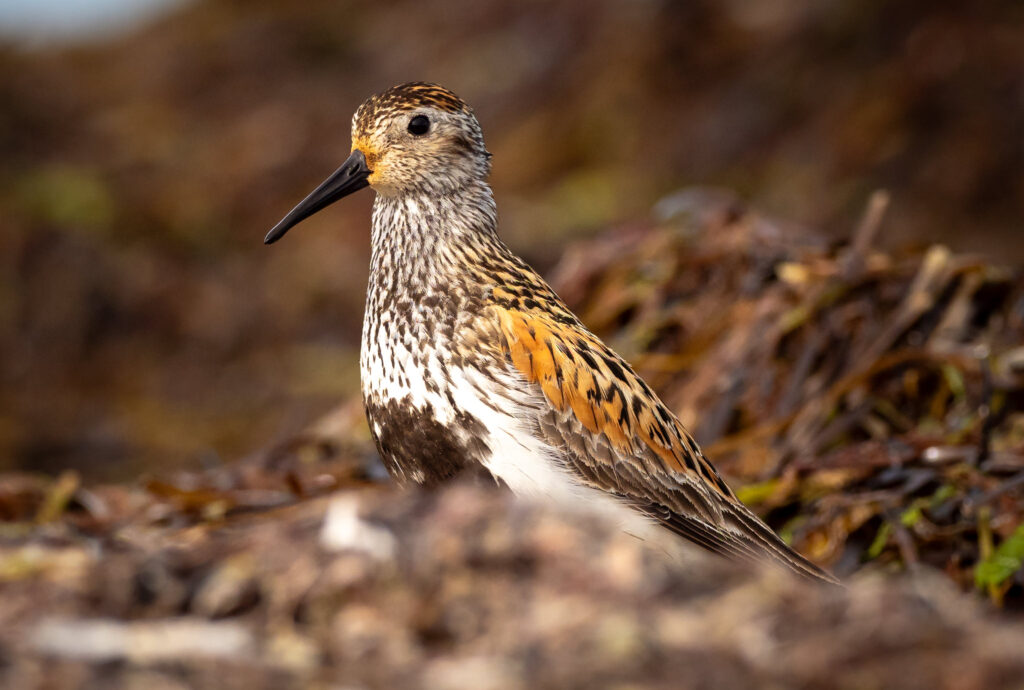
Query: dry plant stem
865,234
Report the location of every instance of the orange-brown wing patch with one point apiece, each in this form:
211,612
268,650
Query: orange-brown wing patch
617,435
576,371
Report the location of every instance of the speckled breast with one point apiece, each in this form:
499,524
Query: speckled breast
407,365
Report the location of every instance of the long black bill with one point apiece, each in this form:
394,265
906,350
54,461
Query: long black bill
350,177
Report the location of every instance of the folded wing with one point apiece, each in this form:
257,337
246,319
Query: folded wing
615,434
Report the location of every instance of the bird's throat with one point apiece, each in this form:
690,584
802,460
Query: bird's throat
416,237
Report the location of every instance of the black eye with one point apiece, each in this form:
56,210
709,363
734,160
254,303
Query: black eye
419,125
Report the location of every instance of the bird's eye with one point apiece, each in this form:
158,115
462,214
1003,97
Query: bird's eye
419,125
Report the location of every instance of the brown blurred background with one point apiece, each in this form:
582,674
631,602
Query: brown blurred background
144,326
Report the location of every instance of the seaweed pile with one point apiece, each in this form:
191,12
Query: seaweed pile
870,404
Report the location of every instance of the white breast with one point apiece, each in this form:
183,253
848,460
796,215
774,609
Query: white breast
394,366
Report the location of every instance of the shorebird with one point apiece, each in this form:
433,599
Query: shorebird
470,361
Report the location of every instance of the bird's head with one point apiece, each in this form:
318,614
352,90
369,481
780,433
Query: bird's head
414,138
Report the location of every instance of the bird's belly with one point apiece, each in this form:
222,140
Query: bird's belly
514,454
420,435
432,420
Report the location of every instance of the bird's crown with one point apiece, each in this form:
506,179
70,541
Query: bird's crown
406,97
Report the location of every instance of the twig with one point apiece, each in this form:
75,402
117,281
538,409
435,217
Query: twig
864,235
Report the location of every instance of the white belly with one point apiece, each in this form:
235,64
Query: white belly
504,406
530,469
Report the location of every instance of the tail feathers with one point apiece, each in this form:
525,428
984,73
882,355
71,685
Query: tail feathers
744,538
770,544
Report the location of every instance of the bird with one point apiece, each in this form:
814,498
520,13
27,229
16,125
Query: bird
471,363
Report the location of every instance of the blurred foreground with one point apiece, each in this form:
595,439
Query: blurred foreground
463,590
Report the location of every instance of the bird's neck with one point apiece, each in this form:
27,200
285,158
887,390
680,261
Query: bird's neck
421,238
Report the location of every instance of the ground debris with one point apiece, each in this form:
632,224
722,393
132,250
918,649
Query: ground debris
481,591
140,642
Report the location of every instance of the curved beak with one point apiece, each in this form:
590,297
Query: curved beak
350,177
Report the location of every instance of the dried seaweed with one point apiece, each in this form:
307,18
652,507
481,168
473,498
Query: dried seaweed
870,403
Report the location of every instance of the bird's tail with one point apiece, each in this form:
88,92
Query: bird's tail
758,536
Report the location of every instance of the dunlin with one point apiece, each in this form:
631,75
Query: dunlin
470,361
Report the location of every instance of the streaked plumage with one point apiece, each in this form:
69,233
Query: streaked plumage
470,362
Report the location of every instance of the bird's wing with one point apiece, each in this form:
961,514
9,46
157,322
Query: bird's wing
616,435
